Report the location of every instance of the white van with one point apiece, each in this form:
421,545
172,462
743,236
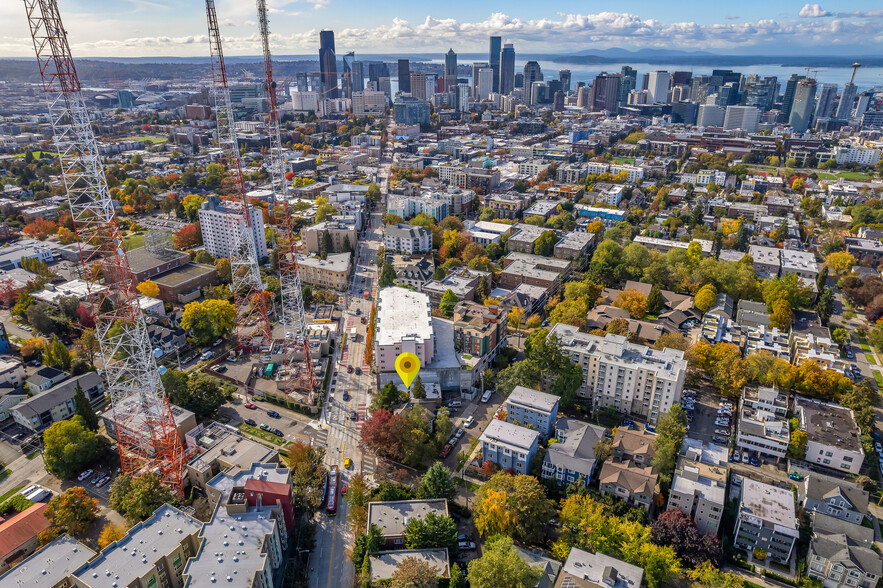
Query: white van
38,495
487,395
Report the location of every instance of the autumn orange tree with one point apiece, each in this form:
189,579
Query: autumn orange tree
189,236
109,534
40,228
72,511
632,301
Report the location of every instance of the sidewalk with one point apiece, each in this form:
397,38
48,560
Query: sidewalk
750,576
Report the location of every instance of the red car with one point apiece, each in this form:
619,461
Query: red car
251,406
446,451
349,369
343,490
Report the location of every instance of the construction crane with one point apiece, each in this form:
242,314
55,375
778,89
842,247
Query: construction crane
144,425
249,291
297,373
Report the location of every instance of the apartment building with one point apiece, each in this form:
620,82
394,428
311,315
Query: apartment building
575,245
404,323
534,270
332,273
525,406
811,341
392,516
480,330
508,446
832,435
410,206
633,379
525,237
51,566
12,373
699,485
507,205
223,227
408,239
57,403
343,237
463,282
596,570
767,520
763,422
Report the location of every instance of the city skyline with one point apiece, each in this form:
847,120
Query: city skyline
164,28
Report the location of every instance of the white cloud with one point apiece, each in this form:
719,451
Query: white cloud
812,11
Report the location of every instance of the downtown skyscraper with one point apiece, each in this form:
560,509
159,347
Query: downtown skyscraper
450,70
494,51
328,65
507,69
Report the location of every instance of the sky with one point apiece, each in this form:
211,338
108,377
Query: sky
139,28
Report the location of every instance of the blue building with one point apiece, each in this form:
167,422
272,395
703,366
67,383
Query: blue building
411,111
533,409
509,446
572,458
610,214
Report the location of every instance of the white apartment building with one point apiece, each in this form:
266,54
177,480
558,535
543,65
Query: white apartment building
741,117
369,102
832,435
406,238
305,101
710,176
634,173
856,154
222,227
611,196
699,485
533,167
633,379
410,206
404,323
767,520
763,422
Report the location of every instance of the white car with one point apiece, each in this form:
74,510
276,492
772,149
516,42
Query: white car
84,475
468,422
737,456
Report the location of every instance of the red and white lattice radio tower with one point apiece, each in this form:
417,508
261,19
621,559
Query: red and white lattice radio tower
145,426
297,373
249,290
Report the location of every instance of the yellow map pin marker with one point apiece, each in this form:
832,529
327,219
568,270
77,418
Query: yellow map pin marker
407,366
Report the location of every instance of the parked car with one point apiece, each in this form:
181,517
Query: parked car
221,369
468,422
343,488
278,433
354,416
85,475
465,545
251,405
487,395
264,427
250,422
745,457
458,433
446,451
736,455
754,461
273,413
719,439
455,404
102,481
722,432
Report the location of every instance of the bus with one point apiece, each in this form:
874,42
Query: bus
354,334
331,505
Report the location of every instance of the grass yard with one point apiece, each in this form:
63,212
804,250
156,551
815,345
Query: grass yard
856,176
826,176
133,242
870,359
147,139
879,378
33,454
621,160
264,435
4,497
38,154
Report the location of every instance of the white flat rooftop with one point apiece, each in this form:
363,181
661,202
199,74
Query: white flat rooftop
403,314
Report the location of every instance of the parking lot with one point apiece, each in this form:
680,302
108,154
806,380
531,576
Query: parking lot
704,415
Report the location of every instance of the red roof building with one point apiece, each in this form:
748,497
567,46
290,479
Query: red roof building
18,535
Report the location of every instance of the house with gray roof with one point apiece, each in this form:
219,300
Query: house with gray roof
572,457
532,408
57,403
596,570
537,559
44,378
508,445
833,497
840,554
392,516
384,563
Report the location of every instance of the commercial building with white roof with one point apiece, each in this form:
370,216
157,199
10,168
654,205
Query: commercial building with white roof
699,485
404,324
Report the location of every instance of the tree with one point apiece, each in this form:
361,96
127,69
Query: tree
501,567
202,394
457,578
84,409
225,271
448,302
521,373
388,397
188,237
382,434
418,390
436,483
570,312
369,542
781,232
708,575
306,463
545,244
413,572
671,428
797,445
782,316
40,317
57,355
672,341
387,275
72,510
69,447
431,531
632,301
484,290
89,343
515,317
149,289
706,297
840,262
326,245
109,534
516,503
678,530
138,498
208,320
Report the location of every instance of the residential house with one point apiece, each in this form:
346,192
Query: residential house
841,554
596,570
12,373
823,494
630,482
391,517
572,457
632,445
384,564
57,403
18,535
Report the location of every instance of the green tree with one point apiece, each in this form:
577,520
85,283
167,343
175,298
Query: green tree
501,567
707,575
203,394
484,290
431,531
224,270
69,447
326,245
521,373
781,232
797,445
457,579
208,320
545,244
671,428
418,390
436,483
72,511
137,498
369,542
387,275
448,302
57,355
306,463
40,317
83,408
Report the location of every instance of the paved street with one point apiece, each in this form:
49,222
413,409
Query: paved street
338,432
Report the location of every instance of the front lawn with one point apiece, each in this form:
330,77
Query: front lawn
264,435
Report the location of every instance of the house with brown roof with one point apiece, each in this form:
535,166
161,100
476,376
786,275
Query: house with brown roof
632,483
18,535
634,446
